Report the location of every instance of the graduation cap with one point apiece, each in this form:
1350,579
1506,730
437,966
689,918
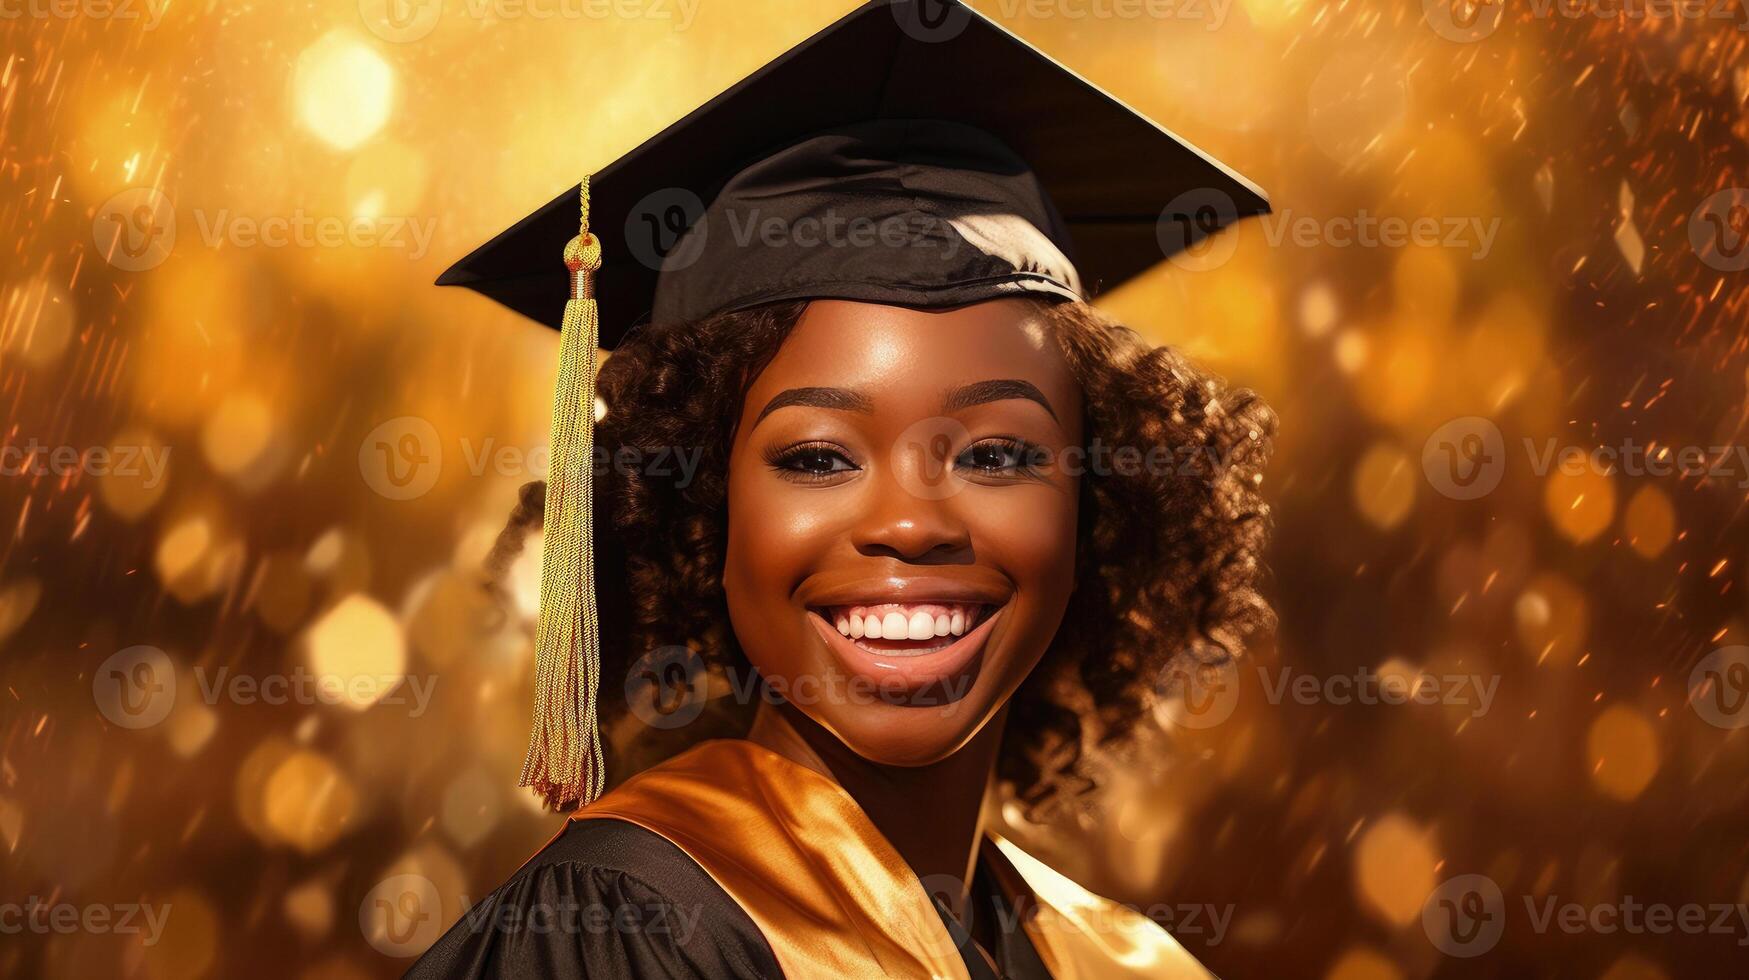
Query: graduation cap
912,153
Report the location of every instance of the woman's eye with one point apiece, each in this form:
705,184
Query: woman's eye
812,462
1001,456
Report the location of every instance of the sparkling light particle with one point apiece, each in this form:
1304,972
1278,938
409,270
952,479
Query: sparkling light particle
1384,485
342,90
358,651
309,802
1394,868
1622,747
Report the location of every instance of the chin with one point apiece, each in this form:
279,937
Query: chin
906,735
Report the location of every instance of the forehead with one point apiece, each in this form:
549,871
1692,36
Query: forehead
895,353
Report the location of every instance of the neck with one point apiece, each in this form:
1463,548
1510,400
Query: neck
933,815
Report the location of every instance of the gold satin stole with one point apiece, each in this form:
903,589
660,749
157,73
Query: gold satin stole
831,895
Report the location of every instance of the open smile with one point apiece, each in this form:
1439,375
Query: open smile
898,661
906,629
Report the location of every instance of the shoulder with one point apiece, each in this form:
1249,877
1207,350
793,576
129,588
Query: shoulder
605,899
608,845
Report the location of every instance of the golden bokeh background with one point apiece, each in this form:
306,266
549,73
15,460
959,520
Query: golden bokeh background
222,220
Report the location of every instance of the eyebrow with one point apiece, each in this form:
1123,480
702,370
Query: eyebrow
959,398
981,392
842,399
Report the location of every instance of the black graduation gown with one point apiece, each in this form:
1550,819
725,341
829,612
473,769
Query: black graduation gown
609,900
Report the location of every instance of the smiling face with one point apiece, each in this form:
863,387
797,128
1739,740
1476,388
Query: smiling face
901,542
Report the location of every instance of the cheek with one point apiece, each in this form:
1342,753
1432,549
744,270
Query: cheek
770,549
743,565
1031,537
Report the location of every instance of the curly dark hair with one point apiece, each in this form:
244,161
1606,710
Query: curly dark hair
1168,556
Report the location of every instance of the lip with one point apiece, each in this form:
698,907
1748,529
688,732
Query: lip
863,590
909,672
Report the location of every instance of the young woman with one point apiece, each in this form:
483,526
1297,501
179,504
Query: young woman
949,522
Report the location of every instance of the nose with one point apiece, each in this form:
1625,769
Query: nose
898,523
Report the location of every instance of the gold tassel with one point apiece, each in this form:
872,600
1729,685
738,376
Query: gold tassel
564,763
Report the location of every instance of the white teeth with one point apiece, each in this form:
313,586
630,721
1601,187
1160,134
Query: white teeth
922,626
904,621
894,626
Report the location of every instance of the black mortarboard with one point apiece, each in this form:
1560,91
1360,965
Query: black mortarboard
917,123
913,153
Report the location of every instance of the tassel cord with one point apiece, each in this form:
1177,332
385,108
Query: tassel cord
565,765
